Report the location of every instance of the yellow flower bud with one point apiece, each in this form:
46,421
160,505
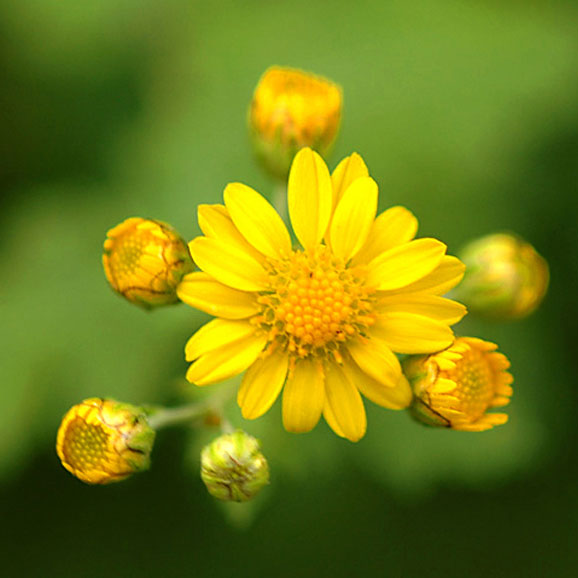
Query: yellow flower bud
102,441
144,261
233,467
456,387
505,277
290,110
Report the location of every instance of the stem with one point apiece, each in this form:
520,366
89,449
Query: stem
161,417
167,416
280,199
226,426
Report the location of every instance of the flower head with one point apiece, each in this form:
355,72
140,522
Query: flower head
321,321
102,441
290,110
505,277
233,467
144,260
456,387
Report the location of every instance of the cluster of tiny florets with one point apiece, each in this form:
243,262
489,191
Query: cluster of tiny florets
316,303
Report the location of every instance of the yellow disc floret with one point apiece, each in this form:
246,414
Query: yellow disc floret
456,387
101,441
317,303
475,376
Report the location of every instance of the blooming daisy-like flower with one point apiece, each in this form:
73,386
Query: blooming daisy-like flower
322,321
456,387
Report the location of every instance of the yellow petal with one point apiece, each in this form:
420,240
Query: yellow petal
226,361
444,277
353,218
405,264
329,417
262,384
347,171
201,291
397,397
229,265
345,403
309,197
393,227
499,401
303,397
443,385
486,422
215,334
257,220
215,222
431,306
410,333
376,360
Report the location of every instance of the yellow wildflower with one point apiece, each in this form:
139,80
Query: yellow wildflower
456,387
102,441
144,260
290,110
321,322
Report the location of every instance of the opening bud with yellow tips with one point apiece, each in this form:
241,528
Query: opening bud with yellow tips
505,277
292,109
102,441
144,261
233,467
456,387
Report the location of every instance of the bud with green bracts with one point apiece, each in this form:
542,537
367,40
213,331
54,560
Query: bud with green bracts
102,441
144,260
505,277
233,467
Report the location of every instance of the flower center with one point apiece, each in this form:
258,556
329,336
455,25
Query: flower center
316,304
125,259
85,444
476,383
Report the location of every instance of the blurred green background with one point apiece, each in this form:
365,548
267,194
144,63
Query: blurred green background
464,112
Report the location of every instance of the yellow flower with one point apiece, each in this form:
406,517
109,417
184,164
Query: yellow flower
144,260
102,441
505,277
322,321
456,387
290,110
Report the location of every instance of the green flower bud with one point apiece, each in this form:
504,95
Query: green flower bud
505,277
233,467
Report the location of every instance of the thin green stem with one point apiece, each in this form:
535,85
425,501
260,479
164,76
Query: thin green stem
226,426
280,199
160,417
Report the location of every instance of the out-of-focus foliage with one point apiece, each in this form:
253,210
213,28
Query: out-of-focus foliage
464,112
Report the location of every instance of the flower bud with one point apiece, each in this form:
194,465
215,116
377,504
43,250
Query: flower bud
456,387
144,261
102,441
290,110
505,277
233,467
